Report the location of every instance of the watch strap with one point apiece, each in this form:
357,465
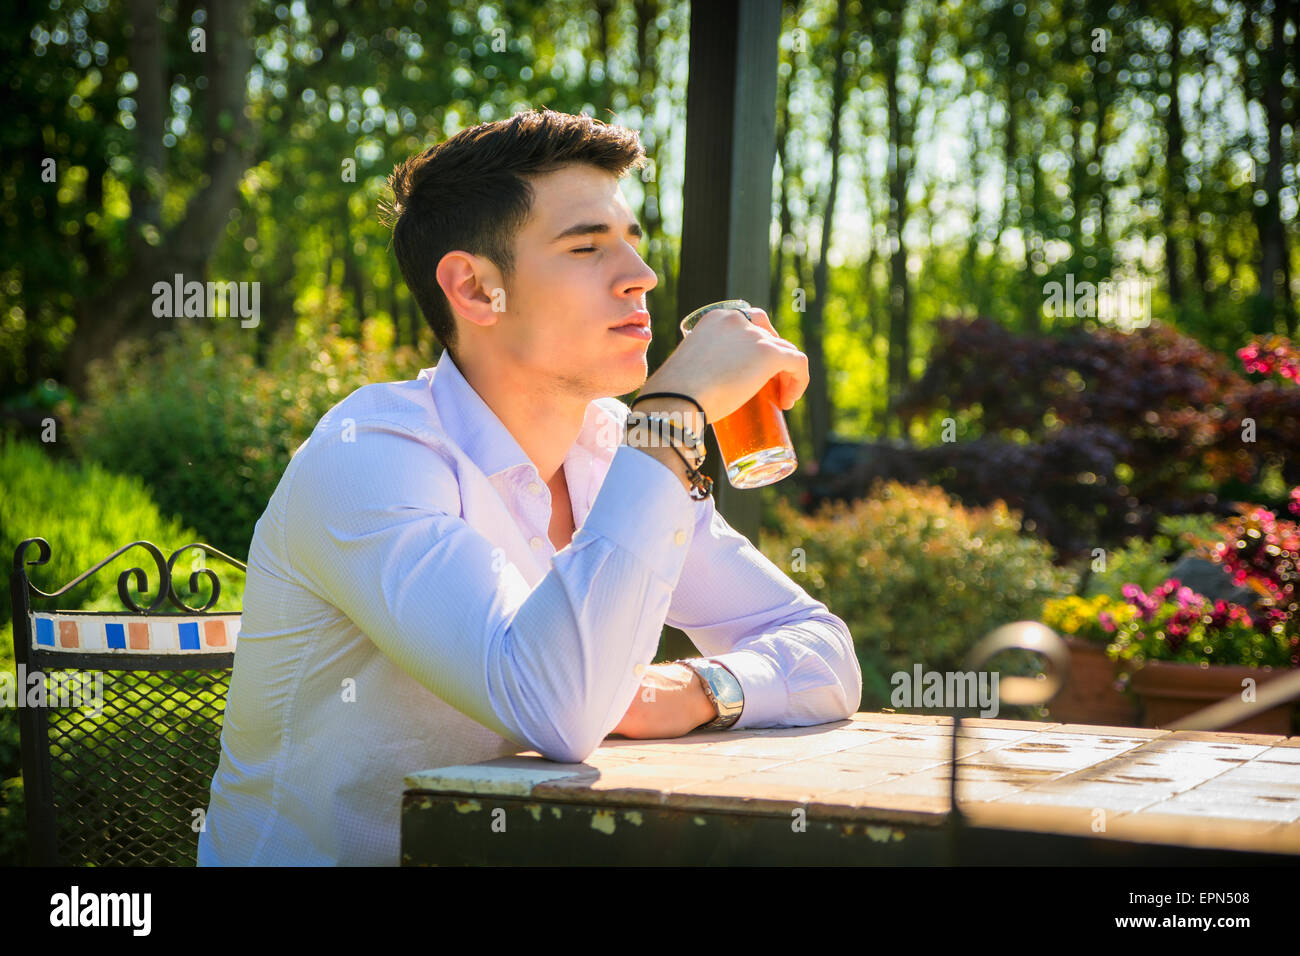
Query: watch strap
722,688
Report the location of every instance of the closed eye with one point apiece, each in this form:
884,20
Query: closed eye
585,249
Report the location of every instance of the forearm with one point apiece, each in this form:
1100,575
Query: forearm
795,674
682,411
669,703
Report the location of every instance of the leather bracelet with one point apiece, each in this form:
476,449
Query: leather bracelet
701,484
661,423
674,395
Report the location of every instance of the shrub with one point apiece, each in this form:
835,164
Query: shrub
85,513
1262,551
208,430
1147,562
916,577
1172,622
1094,435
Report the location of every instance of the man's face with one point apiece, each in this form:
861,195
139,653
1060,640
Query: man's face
571,287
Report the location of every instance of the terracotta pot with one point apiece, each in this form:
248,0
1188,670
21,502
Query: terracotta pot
1089,695
1170,690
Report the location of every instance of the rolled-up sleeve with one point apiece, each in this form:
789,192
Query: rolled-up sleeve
373,525
794,659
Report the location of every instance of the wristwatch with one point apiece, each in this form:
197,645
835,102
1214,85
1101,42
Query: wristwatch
722,688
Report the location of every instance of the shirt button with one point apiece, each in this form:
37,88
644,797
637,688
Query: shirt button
536,542
534,488
680,536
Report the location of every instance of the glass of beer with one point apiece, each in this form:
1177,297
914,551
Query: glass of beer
754,441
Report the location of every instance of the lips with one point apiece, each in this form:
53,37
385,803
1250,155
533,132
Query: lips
639,319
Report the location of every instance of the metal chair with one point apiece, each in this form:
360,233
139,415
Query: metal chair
120,747
1039,639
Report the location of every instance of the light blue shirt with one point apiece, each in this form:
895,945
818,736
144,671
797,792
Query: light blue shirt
405,609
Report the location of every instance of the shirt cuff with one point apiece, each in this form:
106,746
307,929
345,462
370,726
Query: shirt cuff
766,697
643,508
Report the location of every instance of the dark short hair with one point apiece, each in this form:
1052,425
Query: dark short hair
469,193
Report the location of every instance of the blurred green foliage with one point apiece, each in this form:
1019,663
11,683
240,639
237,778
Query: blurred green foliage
915,576
85,512
210,431
1147,562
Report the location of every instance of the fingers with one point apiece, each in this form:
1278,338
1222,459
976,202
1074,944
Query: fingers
792,385
793,382
792,379
760,318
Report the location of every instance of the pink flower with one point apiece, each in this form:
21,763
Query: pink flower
1107,622
1147,605
1164,590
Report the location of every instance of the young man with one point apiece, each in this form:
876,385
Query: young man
472,564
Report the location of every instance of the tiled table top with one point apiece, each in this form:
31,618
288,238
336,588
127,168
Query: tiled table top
1190,788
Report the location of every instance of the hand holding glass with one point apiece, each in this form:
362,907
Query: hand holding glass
754,441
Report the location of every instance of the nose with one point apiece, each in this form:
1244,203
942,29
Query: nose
644,278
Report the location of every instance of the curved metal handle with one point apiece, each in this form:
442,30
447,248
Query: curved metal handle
1026,636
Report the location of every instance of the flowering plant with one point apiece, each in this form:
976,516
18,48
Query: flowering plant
1174,623
1269,354
1091,619
1262,551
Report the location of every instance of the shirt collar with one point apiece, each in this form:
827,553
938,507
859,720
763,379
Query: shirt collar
475,428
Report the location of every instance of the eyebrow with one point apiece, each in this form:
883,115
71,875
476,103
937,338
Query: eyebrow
595,228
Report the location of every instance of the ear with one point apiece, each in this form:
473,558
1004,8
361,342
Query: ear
473,287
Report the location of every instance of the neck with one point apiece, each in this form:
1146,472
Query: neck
544,421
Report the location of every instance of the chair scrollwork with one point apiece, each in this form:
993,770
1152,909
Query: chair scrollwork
138,576
195,575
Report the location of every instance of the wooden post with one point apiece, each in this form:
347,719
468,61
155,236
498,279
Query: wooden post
727,194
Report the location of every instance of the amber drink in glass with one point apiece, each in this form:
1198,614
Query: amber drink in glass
754,441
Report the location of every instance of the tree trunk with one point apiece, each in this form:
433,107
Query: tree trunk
1274,294
352,277
124,308
777,291
1196,203
1175,184
818,393
147,54
601,90
900,304
662,299
1031,307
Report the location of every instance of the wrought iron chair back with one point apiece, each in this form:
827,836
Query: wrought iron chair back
121,732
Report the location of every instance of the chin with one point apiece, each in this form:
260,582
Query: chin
629,381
